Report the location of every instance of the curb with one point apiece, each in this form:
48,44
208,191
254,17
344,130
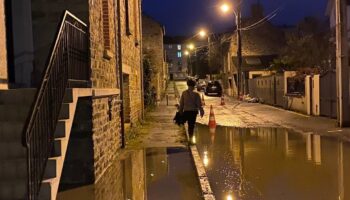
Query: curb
201,174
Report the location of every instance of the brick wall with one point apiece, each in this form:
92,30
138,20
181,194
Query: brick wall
3,56
131,56
152,44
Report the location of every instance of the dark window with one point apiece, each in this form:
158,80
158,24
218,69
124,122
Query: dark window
127,18
105,19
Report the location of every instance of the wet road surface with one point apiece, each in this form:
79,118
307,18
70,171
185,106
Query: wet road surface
274,163
152,173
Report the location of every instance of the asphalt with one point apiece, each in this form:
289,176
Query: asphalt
253,115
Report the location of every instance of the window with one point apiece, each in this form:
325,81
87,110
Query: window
170,46
179,47
179,54
105,28
127,17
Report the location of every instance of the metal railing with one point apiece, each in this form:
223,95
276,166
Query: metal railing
69,59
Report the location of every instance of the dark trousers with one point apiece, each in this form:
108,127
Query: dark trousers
191,117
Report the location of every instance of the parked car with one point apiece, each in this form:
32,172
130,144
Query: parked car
213,88
201,85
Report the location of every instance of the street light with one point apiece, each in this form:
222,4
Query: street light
187,53
190,46
225,8
202,33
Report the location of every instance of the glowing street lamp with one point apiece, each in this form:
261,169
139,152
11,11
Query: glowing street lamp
190,46
202,33
187,53
225,7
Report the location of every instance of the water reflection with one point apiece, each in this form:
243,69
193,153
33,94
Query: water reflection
270,163
155,173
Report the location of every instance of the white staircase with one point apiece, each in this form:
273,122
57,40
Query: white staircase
14,109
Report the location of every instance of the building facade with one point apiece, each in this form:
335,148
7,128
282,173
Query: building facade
153,49
175,56
112,90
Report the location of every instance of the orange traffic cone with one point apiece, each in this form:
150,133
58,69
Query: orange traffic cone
212,122
222,100
203,102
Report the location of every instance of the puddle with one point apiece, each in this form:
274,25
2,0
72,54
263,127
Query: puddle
154,173
270,163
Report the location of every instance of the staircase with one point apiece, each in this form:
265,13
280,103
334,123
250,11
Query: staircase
15,106
35,124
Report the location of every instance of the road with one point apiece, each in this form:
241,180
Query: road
253,115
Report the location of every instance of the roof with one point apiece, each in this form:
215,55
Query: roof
175,39
255,62
263,40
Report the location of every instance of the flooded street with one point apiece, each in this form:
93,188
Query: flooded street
270,163
153,173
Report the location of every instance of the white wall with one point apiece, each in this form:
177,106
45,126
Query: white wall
316,95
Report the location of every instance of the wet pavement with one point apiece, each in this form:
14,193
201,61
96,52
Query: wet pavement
152,173
274,163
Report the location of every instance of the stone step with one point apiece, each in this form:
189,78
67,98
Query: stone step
11,131
60,131
10,113
17,96
12,150
64,113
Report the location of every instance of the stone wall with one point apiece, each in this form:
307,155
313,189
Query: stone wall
47,15
3,55
153,48
131,56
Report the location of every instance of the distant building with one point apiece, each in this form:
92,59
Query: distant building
175,48
260,46
153,49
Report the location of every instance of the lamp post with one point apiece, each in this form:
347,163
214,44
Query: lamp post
225,8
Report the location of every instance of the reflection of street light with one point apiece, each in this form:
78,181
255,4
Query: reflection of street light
205,159
225,8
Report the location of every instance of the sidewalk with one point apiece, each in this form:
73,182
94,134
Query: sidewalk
159,129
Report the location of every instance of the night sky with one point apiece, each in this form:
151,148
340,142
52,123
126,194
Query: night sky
185,17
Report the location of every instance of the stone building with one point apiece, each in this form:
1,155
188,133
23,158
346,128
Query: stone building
260,46
90,126
175,56
153,48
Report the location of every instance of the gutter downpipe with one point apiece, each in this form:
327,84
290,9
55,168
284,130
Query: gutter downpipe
120,68
141,63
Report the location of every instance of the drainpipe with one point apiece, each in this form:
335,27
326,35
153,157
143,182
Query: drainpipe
119,63
141,63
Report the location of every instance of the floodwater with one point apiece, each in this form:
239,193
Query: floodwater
153,174
274,164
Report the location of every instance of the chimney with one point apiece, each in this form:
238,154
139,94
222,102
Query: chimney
257,10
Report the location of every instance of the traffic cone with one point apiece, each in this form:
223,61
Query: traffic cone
212,122
203,102
222,100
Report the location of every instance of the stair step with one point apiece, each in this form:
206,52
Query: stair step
18,96
56,151
12,150
13,189
60,131
45,190
11,131
68,96
64,113
14,112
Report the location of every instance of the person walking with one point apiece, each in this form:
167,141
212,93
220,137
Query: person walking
190,104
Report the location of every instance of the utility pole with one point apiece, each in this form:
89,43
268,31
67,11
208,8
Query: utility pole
342,64
239,51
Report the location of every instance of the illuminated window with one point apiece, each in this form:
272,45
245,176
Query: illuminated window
179,54
179,47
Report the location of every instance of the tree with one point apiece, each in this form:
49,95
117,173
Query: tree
307,46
